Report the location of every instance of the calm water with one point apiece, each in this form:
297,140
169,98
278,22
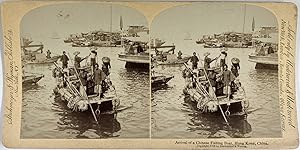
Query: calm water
173,118
43,116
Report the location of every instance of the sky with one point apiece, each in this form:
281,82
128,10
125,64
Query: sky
65,19
174,23
208,18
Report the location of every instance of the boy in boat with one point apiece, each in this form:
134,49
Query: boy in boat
194,60
99,77
228,77
64,59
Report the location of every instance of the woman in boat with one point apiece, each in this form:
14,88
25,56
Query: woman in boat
106,65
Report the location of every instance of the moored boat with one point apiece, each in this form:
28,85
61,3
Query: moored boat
136,54
265,56
31,78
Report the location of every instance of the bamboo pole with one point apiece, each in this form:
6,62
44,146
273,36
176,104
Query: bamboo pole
85,95
215,97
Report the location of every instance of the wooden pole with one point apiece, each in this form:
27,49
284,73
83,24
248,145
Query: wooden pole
215,97
84,93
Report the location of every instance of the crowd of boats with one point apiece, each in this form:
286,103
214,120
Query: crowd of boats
211,89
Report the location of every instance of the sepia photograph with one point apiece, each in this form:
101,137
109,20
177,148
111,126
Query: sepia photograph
214,72
149,75
85,72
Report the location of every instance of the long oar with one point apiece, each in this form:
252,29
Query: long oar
84,93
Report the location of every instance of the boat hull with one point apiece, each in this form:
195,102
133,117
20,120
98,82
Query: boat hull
157,81
174,62
46,61
32,79
264,62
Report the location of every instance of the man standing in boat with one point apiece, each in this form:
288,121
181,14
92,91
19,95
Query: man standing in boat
77,59
194,60
208,60
64,59
93,59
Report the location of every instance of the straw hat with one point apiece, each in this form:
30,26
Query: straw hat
224,49
106,59
235,60
206,54
76,53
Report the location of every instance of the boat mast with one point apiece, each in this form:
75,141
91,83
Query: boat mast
111,24
243,35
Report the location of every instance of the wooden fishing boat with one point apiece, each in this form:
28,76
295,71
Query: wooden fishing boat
71,90
31,78
33,54
203,98
41,59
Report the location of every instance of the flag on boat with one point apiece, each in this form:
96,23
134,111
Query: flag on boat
253,24
121,23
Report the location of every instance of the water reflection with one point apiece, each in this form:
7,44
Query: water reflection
214,126
82,124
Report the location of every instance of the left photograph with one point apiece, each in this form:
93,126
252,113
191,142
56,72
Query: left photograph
85,72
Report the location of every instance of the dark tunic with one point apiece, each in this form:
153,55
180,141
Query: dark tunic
77,61
212,78
99,76
235,69
93,62
64,59
207,62
139,49
194,60
228,77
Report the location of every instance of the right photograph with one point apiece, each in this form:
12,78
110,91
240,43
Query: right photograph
214,72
